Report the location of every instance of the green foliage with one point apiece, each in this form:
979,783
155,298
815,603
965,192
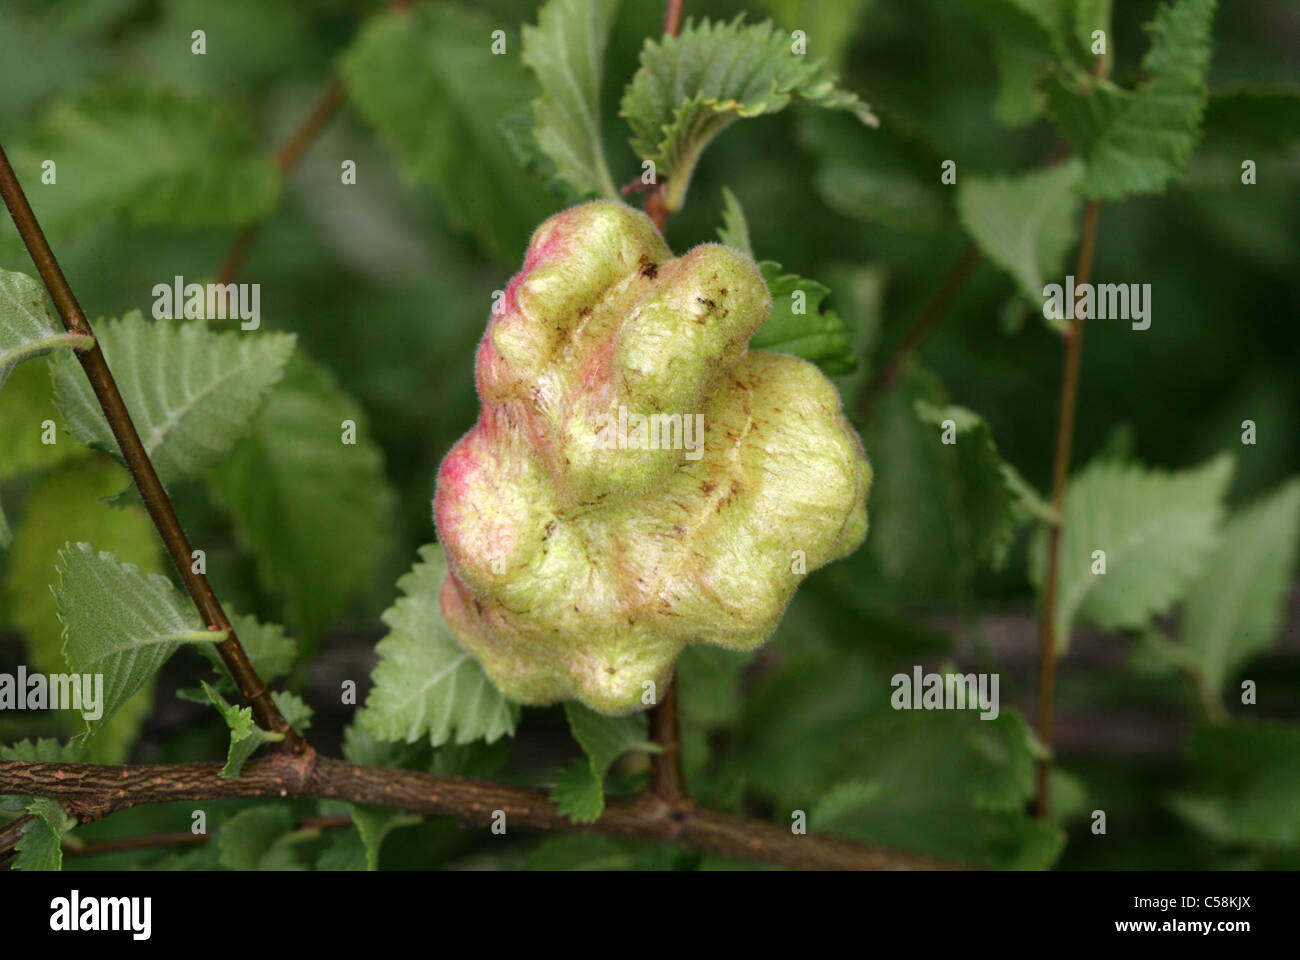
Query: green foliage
938,510
1027,36
887,176
984,494
842,804
149,155
816,335
1136,141
314,510
64,507
734,231
257,839
797,325
1234,611
828,24
191,393
1247,775
345,851
41,847
26,402
1043,23
1026,224
426,78
939,782
267,646
1091,15
1260,116
120,623
28,326
708,683
565,51
579,789
425,684
1158,531
693,86
245,735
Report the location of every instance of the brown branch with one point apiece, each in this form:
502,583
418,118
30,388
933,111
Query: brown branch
286,158
90,791
156,501
925,322
1049,643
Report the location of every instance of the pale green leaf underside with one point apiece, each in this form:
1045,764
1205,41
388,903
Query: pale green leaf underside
425,684
565,51
120,623
1234,611
1157,529
191,392
579,789
28,327
692,86
1025,224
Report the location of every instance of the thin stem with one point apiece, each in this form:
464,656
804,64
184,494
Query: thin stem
673,17
653,197
12,832
90,791
286,158
666,779
94,848
156,501
925,322
1048,644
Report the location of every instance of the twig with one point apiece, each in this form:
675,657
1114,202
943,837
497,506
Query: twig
12,832
652,198
673,17
90,791
666,779
156,501
94,848
925,322
1060,475
286,158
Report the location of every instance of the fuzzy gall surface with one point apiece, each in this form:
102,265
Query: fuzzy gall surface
590,531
